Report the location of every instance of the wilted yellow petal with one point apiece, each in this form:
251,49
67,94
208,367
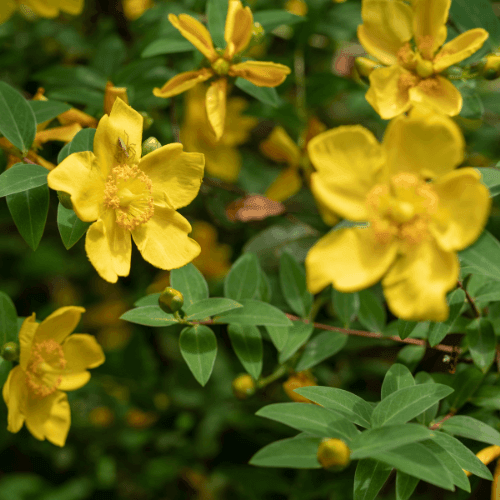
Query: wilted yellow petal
350,259
464,206
386,28
285,185
182,82
238,29
429,25
438,93
459,48
59,324
196,33
65,134
279,147
261,73
416,285
216,106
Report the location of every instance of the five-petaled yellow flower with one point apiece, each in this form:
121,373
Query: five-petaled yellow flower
129,196
223,63
420,211
413,70
42,8
51,361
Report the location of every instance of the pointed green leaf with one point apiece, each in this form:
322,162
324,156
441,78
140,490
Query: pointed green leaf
397,377
279,335
190,282
293,285
21,177
272,18
471,428
321,347
465,382
438,331
482,343
411,355
148,300
171,45
29,211
370,476
426,417
71,228
247,344
405,328
266,95
371,312
199,349
149,316
405,485
254,312
483,257
47,110
83,141
243,279
346,306
216,17
298,334
210,307
264,293
8,319
487,396
63,153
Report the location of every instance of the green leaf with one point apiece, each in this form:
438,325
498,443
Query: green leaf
487,396
482,342
405,485
149,316
21,177
68,75
489,292
465,382
397,377
370,476
148,300
371,311
293,285
216,17
490,177
321,347
408,402
47,110
464,457
78,94
346,306
71,228
351,406
247,344
83,141
471,428
17,119
210,307
418,461
483,257
63,153
190,282
270,19
266,95
298,452
438,331
29,211
373,441
426,417
411,355
254,312
8,319
167,46
405,328
472,105
312,419
279,335
199,349
242,281
298,334
264,293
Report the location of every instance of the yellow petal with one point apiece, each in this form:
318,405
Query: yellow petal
429,25
279,147
416,285
163,240
42,8
386,28
7,9
238,29
439,94
26,334
425,143
329,217
59,324
123,123
285,185
15,394
74,7
80,175
74,115
111,93
350,259
216,106
459,48
464,206
109,248
223,162
49,417
182,82
348,160
39,161
261,73
62,134
388,92
196,33
175,174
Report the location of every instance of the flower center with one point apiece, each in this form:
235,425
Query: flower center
43,374
129,192
402,208
418,62
221,66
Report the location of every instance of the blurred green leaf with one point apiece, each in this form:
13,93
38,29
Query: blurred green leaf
321,347
21,177
397,377
369,478
167,46
78,95
438,331
411,355
68,75
298,334
242,281
426,417
247,344
490,177
270,19
487,396
371,311
279,335
63,153
216,17
254,312
266,95
47,110
471,428
346,306
483,257
482,342
148,300
405,485
8,319
465,382
405,328
83,141
149,316
190,282
198,347
209,307
472,105
293,285
71,228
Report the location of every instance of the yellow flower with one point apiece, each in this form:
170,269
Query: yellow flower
296,381
421,211
133,9
222,158
223,63
412,71
51,361
111,93
131,196
42,8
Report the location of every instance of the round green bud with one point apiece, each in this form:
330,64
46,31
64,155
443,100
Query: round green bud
170,300
149,145
258,33
65,200
10,351
243,386
333,454
148,120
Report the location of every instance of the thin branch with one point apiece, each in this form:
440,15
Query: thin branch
473,305
437,425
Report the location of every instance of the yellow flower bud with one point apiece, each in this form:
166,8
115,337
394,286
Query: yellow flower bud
333,454
149,145
170,300
243,386
296,380
10,351
491,67
65,200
